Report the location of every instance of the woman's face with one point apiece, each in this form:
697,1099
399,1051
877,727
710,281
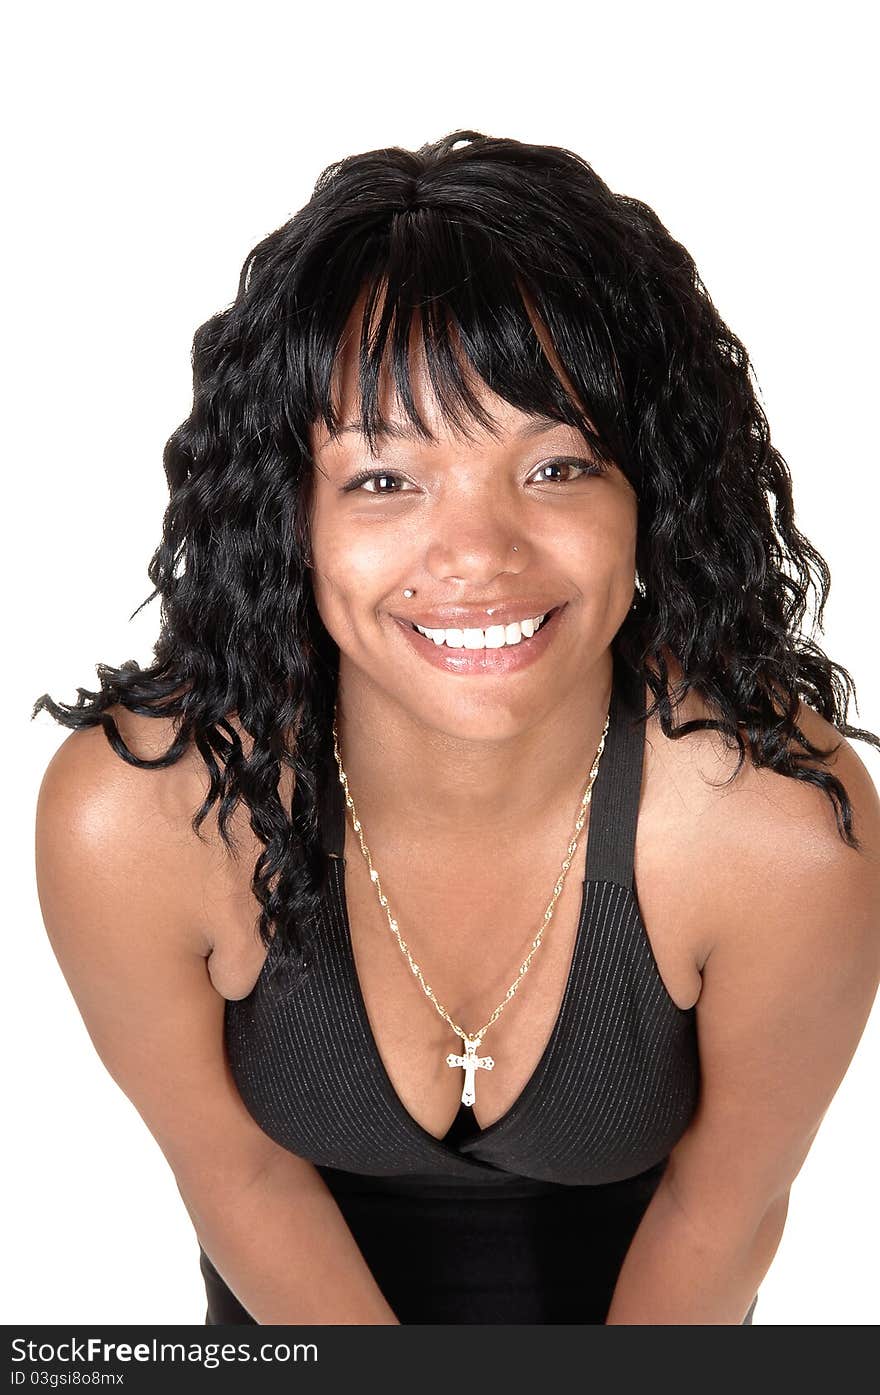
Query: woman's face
516,522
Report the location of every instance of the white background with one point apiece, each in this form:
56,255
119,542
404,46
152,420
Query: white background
148,149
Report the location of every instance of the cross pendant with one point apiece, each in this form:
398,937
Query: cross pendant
470,1061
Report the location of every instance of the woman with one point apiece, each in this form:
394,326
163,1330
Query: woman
476,896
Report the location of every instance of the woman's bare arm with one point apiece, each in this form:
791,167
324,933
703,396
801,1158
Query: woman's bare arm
113,878
787,991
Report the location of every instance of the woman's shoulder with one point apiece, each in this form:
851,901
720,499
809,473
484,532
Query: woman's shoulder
724,838
99,780
704,764
87,761
137,822
134,821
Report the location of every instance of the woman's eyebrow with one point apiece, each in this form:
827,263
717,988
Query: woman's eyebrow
537,424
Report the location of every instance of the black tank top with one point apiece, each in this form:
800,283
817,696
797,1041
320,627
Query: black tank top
530,1219
616,1085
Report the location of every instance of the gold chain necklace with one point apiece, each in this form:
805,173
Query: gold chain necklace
470,1062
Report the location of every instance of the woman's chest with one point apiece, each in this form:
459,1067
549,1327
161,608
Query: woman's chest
484,949
472,930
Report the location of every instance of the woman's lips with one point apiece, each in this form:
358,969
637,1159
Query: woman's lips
507,659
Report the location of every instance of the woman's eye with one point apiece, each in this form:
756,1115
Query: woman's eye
367,478
394,479
583,467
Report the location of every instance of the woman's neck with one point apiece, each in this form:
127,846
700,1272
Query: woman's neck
403,771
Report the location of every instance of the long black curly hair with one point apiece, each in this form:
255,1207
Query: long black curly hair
457,231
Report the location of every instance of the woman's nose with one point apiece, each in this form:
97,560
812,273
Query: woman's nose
476,554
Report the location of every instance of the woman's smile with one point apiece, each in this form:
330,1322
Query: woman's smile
465,651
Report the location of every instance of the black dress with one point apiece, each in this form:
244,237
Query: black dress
528,1220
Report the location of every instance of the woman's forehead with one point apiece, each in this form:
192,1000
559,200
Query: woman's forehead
395,425
501,418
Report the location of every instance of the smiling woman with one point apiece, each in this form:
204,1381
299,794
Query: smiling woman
479,563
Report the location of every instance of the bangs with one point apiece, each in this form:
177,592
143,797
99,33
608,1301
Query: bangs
441,282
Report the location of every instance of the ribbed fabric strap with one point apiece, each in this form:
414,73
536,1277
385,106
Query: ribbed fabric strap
615,800
331,805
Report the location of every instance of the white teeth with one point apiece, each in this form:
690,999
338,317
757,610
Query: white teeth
495,637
